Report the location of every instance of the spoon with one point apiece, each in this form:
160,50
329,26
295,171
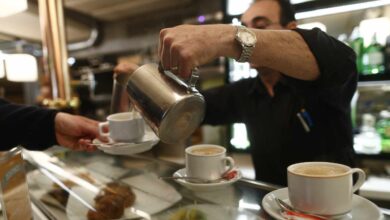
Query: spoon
286,207
116,144
192,179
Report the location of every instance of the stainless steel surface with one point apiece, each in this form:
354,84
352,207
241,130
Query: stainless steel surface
93,36
55,54
260,184
92,26
172,108
194,78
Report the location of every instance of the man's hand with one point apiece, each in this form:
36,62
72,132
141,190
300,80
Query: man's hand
75,132
185,47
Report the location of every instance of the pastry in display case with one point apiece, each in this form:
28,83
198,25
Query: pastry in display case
112,201
70,191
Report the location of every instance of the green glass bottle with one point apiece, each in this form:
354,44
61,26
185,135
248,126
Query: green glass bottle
373,58
383,128
387,55
356,42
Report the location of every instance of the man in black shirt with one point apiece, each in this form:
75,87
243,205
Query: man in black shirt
298,109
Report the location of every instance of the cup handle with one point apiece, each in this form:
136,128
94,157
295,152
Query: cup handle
230,164
361,178
101,132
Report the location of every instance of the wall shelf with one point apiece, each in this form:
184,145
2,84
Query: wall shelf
380,156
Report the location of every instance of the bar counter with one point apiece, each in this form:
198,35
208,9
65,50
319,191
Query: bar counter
64,185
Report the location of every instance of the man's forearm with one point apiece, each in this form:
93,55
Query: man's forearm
285,51
188,46
282,50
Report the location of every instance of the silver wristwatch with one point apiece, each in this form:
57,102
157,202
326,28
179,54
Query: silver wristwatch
247,39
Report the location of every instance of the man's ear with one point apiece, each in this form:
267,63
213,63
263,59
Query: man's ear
292,25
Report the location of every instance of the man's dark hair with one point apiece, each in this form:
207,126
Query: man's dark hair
287,12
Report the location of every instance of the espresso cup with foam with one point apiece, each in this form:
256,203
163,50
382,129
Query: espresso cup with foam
123,127
207,161
322,188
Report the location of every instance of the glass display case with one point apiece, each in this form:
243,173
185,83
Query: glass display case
76,185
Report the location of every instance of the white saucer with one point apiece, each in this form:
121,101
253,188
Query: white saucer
146,143
362,209
204,186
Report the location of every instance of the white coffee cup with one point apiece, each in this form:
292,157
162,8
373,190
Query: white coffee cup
123,127
322,188
207,161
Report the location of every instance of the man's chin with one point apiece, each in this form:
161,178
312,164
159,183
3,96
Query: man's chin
258,69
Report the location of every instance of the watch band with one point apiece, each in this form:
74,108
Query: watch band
245,54
247,49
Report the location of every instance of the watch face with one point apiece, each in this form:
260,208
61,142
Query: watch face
247,38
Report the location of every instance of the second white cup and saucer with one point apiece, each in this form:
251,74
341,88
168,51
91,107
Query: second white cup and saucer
322,188
210,163
212,186
127,134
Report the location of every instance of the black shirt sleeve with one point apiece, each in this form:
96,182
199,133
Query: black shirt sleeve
338,74
29,126
336,61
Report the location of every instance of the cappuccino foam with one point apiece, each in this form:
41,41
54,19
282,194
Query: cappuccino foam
207,151
319,170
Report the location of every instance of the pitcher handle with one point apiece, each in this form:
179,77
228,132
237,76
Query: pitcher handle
194,77
191,82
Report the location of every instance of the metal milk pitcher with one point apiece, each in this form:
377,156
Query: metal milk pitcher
172,108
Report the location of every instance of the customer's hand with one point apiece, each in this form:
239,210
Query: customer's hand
185,47
125,68
75,132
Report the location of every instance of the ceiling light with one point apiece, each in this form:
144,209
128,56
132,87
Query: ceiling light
21,68
341,9
10,7
237,7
